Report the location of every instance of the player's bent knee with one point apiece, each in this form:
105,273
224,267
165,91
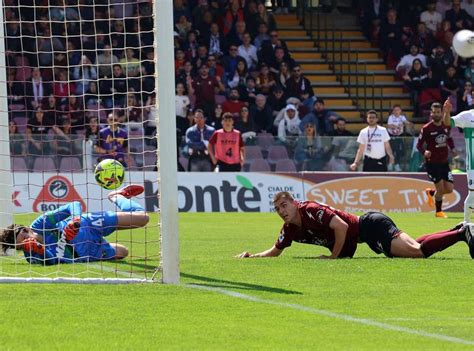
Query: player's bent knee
405,246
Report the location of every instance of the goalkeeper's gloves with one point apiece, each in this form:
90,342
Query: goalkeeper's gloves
31,245
72,228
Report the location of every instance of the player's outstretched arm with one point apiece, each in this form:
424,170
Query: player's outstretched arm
272,252
447,107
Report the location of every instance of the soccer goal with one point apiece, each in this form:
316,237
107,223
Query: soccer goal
83,81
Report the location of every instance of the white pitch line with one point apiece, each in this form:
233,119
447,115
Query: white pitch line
344,317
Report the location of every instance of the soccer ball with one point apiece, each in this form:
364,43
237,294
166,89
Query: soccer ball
109,174
463,43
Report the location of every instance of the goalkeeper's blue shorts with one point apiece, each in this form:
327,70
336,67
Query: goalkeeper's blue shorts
90,241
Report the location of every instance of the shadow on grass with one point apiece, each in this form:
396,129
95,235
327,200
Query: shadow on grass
221,283
134,264
388,259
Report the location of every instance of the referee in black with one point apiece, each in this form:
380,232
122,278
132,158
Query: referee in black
374,146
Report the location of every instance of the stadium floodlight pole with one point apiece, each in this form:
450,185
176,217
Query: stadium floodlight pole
166,135
6,177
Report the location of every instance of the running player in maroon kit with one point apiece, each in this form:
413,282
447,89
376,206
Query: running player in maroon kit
310,222
438,142
226,146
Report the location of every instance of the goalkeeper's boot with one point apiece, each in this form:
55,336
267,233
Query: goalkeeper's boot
429,197
129,191
441,214
469,232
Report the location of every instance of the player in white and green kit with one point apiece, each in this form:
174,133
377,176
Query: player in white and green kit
464,120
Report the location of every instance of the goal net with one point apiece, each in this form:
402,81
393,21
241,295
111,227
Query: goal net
79,83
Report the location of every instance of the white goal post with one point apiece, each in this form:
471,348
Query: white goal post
158,247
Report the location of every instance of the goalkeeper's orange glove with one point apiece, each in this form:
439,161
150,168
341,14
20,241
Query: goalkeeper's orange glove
72,228
32,245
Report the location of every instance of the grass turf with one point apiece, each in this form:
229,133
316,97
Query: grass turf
432,296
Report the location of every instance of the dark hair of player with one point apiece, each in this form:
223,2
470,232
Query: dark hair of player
8,236
435,105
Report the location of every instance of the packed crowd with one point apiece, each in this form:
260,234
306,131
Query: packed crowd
419,46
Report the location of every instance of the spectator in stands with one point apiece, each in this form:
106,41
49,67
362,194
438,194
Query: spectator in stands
237,37
309,153
277,99
423,39
215,69
65,140
289,127
406,62
445,35
262,35
248,52
249,92
226,147
46,45
267,50
114,89
215,120
450,87
233,103
179,9
150,114
37,130
201,57
92,130
204,88
233,15
261,114
186,73
84,74
323,119
230,61
431,18
279,59
117,37
300,87
17,140
197,139
215,41
245,125
371,15
241,74
469,71
183,26
36,90
62,89
390,36
132,114
442,6
468,5
340,128
190,45
75,113
374,146
439,61
92,95
265,80
105,61
458,17
283,74
263,16
179,60
182,104
466,101
416,80
15,89
113,141
130,63
51,110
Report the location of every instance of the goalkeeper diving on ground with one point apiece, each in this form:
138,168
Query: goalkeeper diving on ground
66,235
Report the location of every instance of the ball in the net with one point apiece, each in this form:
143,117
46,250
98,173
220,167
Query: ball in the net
109,174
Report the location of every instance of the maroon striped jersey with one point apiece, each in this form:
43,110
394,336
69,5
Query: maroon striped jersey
437,140
315,218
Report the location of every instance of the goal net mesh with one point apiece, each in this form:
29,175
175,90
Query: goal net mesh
78,86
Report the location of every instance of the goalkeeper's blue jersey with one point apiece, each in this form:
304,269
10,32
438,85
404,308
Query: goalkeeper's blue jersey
89,243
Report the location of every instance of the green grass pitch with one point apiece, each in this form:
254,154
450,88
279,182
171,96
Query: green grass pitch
288,303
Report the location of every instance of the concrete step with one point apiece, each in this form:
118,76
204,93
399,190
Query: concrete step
299,44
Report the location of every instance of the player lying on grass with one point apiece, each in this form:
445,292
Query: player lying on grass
67,235
310,222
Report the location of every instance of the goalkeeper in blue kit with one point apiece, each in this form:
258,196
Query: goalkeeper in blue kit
67,235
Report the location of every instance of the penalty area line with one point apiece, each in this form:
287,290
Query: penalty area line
340,316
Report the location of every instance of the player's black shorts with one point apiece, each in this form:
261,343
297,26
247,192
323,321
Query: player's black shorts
378,231
439,171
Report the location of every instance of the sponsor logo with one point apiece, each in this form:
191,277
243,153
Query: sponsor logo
56,191
386,194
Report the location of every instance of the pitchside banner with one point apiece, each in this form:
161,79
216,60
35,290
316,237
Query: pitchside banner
242,192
